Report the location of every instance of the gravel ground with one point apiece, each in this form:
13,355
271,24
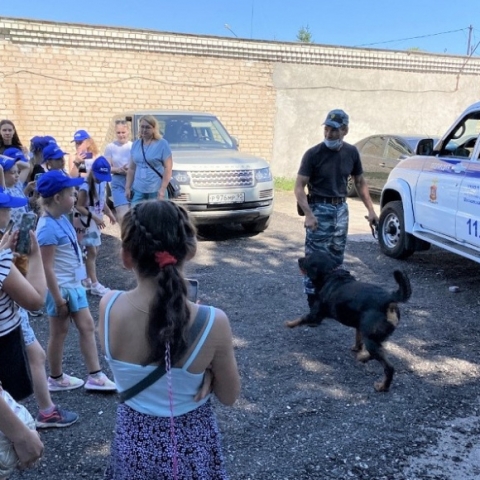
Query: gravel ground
308,410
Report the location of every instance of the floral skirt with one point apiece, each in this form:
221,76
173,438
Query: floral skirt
142,448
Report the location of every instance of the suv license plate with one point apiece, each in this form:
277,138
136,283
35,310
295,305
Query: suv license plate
226,198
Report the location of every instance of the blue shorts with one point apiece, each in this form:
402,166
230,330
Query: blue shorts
76,299
117,186
27,330
330,235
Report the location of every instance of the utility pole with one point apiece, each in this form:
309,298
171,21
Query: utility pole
470,29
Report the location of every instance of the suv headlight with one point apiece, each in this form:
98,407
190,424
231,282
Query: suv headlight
181,177
263,175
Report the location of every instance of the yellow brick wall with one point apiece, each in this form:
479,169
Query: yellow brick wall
57,90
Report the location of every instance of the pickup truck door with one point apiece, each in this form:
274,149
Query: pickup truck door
437,193
468,213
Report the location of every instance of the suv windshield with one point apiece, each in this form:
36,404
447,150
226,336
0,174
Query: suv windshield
194,132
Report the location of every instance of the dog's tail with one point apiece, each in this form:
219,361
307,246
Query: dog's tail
404,291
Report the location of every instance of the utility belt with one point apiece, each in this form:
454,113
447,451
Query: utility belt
329,200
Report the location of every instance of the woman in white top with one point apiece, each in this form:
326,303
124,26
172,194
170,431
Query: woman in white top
118,154
167,430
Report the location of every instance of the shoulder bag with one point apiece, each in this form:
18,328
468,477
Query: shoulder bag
8,456
173,187
152,377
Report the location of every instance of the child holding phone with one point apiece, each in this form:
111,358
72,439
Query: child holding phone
49,415
91,204
86,151
66,297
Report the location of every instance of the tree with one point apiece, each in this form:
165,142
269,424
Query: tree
304,35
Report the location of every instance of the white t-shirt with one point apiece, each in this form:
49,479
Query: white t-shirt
118,154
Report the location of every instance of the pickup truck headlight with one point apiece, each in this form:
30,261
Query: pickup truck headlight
181,176
263,175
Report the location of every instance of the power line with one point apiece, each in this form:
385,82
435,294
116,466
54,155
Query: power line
411,38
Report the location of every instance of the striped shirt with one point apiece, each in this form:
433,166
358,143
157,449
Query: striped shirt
9,316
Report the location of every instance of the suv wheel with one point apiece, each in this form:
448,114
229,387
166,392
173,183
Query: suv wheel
257,226
391,231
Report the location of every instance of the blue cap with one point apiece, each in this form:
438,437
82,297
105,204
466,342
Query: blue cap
15,154
52,152
8,201
39,143
102,170
80,136
336,119
10,157
54,181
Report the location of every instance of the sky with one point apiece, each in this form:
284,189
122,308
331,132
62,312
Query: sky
434,26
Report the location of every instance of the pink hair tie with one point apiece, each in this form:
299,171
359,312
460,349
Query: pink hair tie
164,258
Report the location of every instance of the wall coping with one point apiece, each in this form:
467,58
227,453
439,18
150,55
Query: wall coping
72,35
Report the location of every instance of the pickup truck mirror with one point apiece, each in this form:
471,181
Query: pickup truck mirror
425,147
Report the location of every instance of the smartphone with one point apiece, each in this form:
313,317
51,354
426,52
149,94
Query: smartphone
192,290
87,155
27,223
37,176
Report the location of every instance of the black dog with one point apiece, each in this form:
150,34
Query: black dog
370,309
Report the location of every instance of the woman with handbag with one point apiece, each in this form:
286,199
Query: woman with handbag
169,359
150,168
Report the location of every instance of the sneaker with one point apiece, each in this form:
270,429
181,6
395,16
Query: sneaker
65,383
35,313
87,284
99,289
100,381
57,419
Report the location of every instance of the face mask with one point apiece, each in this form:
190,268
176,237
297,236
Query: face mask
333,144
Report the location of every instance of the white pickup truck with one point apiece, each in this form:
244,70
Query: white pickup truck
435,199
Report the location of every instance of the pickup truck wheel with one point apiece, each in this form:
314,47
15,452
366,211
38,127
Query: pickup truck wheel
257,226
391,231
351,190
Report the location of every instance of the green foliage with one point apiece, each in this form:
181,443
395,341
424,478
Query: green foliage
284,184
304,35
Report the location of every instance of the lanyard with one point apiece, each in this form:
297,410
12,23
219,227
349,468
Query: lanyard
73,240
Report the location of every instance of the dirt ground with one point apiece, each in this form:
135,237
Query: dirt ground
308,410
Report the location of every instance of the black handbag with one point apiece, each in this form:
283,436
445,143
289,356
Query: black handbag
15,373
173,187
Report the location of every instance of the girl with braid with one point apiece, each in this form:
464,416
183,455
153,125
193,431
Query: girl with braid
168,428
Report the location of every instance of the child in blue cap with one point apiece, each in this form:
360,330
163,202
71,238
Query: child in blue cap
50,415
66,297
92,204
